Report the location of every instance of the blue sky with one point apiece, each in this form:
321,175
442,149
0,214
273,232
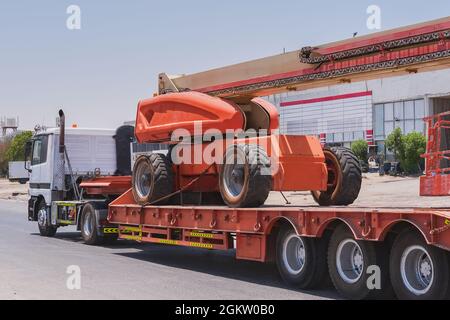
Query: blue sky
99,73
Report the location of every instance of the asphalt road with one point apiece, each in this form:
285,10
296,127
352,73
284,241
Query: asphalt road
33,267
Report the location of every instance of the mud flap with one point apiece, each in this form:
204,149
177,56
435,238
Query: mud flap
103,227
31,209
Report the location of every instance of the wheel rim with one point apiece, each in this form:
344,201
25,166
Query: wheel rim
88,224
234,173
333,168
334,175
294,254
42,217
417,270
350,261
143,176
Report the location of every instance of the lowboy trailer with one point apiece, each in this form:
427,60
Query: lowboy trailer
367,253
409,247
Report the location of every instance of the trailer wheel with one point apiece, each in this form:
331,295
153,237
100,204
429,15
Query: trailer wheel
152,179
43,219
89,226
245,177
344,178
301,262
349,261
418,271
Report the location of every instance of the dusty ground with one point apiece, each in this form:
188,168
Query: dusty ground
376,191
13,190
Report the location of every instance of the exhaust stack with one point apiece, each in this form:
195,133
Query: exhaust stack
62,131
60,165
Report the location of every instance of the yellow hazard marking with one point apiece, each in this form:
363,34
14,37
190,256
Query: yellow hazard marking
134,238
447,222
65,222
201,245
110,230
131,229
171,242
65,204
202,235
191,244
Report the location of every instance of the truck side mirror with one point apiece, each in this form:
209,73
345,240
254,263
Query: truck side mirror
28,147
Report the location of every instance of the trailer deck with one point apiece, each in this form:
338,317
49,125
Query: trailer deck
212,227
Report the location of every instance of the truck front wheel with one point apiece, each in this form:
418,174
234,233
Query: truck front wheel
43,218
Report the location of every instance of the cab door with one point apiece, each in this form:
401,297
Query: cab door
40,183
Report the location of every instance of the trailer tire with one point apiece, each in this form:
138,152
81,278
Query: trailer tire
89,226
419,271
245,180
45,228
301,262
152,179
344,178
348,263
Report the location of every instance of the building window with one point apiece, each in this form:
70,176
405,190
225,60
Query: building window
406,115
379,122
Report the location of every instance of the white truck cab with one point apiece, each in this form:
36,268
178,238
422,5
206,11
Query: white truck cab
90,152
60,159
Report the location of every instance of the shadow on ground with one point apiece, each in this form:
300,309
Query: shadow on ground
217,263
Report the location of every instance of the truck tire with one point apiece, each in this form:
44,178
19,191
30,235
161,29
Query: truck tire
43,219
89,226
301,262
152,179
419,271
349,261
344,178
245,179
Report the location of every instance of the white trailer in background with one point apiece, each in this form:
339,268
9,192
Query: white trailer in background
17,172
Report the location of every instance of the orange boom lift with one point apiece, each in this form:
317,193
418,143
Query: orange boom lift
308,244
244,169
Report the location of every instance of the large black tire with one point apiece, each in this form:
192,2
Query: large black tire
301,262
419,271
252,181
43,218
348,263
89,226
155,172
344,178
